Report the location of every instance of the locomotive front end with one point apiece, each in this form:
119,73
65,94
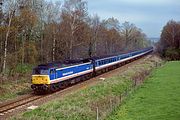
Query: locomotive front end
40,80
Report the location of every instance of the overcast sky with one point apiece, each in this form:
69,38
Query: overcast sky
149,15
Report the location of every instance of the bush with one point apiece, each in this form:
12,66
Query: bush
23,68
172,54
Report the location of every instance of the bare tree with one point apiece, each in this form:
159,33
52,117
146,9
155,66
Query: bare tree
169,45
94,23
170,33
133,36
12,6
74,12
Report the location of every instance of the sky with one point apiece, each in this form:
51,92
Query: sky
149,15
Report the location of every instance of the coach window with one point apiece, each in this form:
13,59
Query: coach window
107,61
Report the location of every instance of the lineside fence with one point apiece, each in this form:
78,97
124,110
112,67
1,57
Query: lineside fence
105,107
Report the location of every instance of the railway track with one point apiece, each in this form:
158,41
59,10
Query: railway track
13,105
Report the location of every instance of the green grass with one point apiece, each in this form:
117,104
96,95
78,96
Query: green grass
157,99
81,105
12,89
16,84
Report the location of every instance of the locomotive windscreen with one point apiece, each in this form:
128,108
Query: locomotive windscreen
40,71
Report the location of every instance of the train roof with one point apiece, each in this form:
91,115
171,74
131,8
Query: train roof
60,64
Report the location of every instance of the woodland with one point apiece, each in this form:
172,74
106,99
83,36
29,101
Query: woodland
39,31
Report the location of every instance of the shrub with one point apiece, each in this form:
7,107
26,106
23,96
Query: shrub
172,54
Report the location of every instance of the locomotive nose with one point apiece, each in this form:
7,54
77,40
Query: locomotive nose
40,79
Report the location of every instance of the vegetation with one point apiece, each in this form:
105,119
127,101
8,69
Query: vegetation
82,105
157,99
10,90
39,31
16,84
169,45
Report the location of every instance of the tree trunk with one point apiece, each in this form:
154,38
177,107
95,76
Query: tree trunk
23,51
90,49
54,47
71,49
95,42
6,42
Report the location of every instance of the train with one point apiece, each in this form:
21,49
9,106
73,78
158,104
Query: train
53,76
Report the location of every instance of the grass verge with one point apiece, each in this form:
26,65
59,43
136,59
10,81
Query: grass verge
16,84
157,99
14,89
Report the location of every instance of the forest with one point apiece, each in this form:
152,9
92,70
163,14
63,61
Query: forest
169,44
39,31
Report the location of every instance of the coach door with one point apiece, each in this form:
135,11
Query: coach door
53,74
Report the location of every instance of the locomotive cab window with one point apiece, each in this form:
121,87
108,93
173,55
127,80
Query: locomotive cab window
40,71
44,72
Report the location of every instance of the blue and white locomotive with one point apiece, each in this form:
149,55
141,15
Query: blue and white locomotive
53,76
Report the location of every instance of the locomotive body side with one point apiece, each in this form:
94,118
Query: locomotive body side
71,72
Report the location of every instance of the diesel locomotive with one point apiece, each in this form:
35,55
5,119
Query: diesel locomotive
58,75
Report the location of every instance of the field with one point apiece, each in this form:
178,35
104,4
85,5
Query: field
157,99
102,97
